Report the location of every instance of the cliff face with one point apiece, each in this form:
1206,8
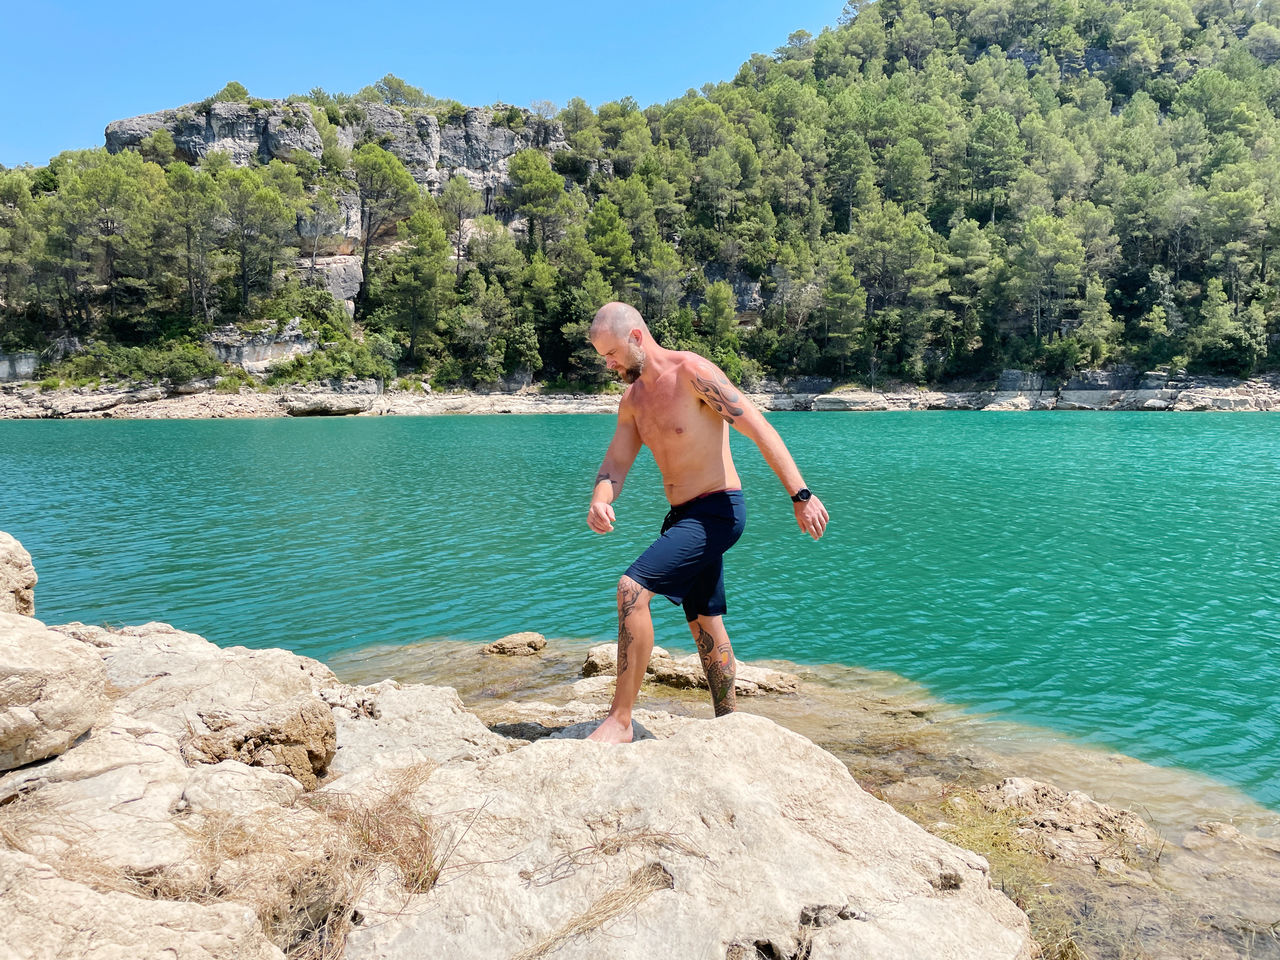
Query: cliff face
475,146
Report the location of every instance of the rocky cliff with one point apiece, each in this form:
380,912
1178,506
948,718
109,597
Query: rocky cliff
477,145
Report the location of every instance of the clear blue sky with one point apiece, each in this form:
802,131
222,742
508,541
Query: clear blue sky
70,68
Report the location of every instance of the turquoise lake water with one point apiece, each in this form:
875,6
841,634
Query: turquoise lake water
1114,577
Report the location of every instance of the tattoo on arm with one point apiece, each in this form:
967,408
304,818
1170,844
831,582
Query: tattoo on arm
720,396
603,475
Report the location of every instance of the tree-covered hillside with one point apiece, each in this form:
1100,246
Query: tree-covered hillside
922,191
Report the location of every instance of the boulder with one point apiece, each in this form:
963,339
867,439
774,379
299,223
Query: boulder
52,689
1072,827
687,672
603,659
47,917
516,645
109,800
639,851
342,276
234,786
326,405
389,725
174,678
17,578
296,737
750,680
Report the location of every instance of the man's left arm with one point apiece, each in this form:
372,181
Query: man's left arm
715,390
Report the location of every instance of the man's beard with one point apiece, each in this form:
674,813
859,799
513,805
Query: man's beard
631,373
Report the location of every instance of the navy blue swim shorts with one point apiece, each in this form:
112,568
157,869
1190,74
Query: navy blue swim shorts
686,563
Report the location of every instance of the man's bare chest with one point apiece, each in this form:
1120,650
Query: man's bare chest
669,416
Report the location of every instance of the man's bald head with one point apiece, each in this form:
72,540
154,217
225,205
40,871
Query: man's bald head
616,319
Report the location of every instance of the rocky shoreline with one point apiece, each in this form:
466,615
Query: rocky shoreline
162,795
1015,391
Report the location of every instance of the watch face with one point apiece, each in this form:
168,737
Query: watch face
802,495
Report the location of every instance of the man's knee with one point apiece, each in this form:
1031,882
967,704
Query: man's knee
631,594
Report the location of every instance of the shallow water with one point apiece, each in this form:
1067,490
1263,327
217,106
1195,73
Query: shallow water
1108,579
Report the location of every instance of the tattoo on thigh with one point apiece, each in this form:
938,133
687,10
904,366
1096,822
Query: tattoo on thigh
720,396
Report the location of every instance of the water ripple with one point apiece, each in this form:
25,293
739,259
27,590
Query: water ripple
1115,577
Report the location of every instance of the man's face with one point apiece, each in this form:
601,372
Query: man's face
623,355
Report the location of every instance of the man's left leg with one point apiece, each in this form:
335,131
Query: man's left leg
718,662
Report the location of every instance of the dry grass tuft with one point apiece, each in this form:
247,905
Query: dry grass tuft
301,870
647,841
389,830
639,886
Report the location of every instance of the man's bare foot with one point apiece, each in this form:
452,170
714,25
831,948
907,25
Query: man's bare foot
611,731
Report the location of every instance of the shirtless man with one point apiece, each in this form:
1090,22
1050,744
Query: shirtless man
680,406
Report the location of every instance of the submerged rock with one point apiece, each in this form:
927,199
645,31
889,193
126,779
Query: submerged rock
1072,826
516,645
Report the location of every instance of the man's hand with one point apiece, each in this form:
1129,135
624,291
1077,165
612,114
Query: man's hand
600,516
812,517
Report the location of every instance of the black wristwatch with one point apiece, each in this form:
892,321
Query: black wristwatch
802,495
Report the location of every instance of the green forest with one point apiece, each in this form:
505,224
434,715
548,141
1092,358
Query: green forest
928,194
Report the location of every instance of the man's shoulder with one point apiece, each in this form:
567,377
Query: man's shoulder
694,364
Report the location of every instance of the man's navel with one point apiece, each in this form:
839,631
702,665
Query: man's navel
679,429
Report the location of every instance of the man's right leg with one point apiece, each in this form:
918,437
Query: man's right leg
635,644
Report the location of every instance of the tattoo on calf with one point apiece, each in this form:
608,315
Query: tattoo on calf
720,396
721,670
628,597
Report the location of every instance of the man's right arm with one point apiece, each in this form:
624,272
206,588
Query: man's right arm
617,461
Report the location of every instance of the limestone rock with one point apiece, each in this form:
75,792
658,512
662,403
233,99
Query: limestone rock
516,645
17,578
687,672
234,786
337,398
47,917
326,406
18,366
51,690
255,352
1072,827
603,658
577,719
1234,877
172,677
110,799
646,854
389,725
342,276
478,145
297,737
247,132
